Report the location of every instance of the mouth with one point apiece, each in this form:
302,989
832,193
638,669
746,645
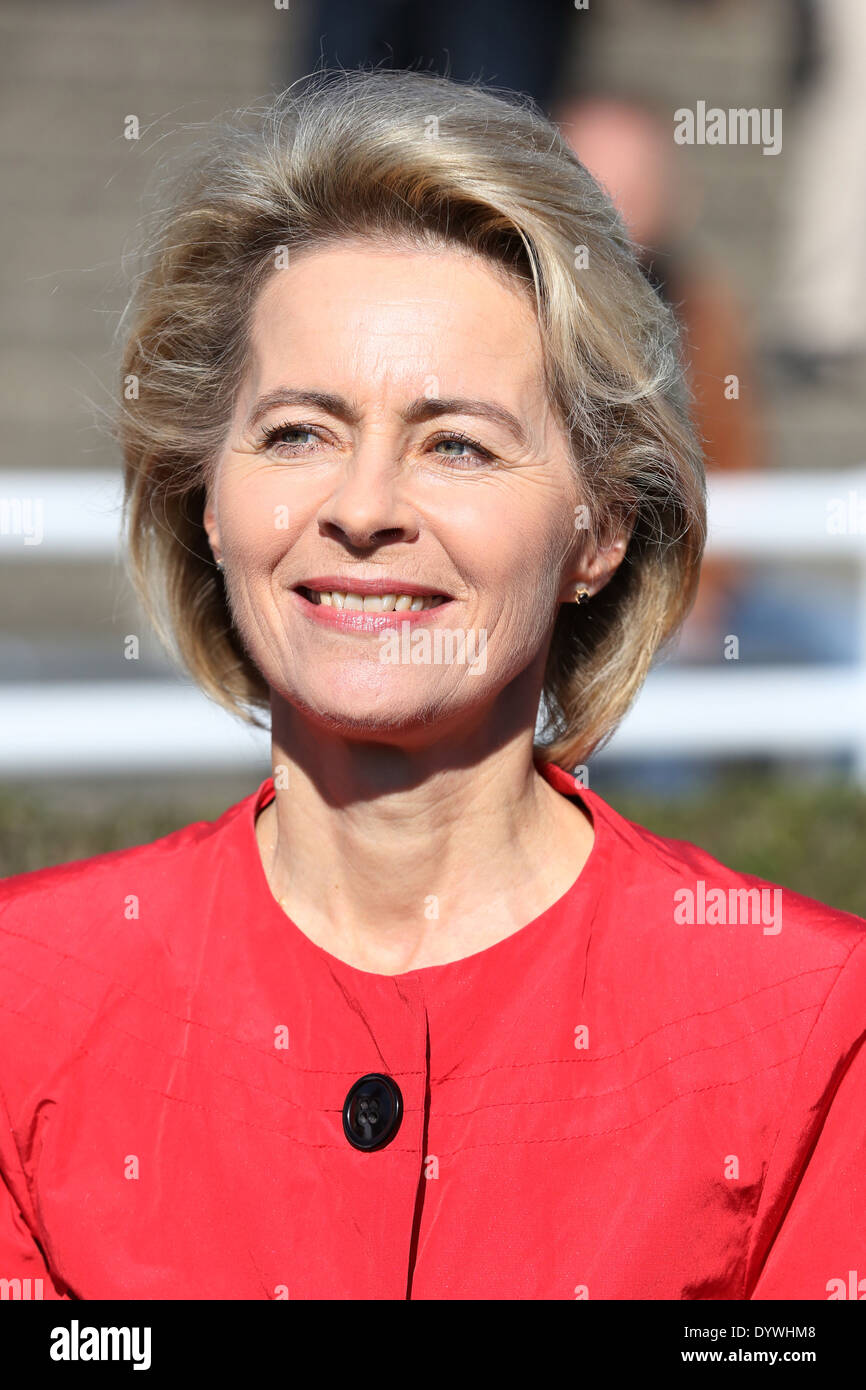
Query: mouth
372,596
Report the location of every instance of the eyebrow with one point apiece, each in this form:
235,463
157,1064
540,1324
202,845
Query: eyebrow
422,409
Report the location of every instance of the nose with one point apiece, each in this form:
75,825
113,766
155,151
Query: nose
369,505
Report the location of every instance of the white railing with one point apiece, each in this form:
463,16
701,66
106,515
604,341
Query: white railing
52,728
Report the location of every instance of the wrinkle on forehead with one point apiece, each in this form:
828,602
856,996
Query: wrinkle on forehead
381,315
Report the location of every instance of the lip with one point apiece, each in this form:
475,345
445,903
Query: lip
346,584
356,620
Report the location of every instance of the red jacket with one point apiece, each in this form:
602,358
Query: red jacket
615,1102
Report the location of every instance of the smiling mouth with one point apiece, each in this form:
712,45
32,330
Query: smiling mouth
372,603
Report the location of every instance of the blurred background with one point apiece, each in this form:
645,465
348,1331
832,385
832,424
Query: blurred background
750,737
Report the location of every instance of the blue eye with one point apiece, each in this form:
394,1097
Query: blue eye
285,437
464,442
277,434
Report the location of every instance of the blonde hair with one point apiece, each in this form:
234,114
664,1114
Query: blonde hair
409,156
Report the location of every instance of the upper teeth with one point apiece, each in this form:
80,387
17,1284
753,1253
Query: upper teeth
377,603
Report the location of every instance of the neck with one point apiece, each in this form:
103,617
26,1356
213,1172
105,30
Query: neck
393,859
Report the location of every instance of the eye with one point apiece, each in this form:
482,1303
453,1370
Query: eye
283,435
287,438
463,441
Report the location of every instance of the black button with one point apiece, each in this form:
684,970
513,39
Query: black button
372,1112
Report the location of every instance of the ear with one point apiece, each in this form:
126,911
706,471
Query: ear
212,530
598,564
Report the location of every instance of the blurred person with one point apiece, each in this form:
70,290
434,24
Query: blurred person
821,293
422,1017
628,147
626,143
519,44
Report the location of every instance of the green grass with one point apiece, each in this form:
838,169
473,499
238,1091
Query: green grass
42,825
804,834
807,836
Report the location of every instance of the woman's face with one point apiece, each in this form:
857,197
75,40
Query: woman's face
394,428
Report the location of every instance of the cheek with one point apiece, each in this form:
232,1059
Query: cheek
259,519
524,546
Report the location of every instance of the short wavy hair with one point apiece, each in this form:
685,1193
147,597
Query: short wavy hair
418,160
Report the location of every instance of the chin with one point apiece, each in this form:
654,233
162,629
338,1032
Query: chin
368,714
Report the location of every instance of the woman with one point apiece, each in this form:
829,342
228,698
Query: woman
406,450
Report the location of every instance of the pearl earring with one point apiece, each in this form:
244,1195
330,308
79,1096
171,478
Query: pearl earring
582,594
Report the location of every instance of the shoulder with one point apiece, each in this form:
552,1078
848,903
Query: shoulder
85,947
701,928
757,988
72,932
77,889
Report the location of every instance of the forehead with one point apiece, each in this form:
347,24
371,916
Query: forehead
385,313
